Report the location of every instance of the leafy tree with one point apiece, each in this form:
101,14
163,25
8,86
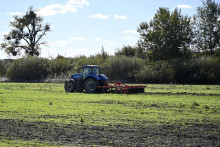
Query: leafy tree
127,51
103,54
26,34
167,35
140,52
207,26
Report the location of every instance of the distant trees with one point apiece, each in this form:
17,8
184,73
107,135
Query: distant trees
207,27
26,34
199,70
103,54
126,50
167,35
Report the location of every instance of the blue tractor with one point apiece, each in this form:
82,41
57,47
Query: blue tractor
89,80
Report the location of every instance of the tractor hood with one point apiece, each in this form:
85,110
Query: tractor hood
77,75
100,77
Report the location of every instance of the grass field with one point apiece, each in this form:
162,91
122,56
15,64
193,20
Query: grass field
39,114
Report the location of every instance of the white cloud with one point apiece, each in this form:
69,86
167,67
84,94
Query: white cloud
184,6
14,13
130,31
78,3
78,38
130,38
53,9
120,16
100,16
70,6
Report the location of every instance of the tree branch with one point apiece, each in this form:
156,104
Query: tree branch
41,36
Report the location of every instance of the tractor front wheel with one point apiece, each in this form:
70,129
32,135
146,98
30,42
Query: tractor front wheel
91,85
70,86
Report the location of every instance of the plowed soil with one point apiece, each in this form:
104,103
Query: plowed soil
118,135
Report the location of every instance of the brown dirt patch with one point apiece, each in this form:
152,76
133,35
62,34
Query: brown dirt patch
119,135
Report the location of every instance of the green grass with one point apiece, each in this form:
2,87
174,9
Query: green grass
16,143
49,102
34,102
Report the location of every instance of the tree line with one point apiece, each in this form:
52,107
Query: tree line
197,70
172,48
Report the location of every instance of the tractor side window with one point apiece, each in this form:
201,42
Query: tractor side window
96,71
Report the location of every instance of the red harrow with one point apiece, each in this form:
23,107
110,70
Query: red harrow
118,87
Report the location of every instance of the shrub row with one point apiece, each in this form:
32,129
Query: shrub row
202,70
199,70
34,68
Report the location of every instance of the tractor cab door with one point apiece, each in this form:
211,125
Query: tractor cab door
86,72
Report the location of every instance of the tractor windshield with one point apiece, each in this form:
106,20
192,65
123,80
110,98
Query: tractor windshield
90,71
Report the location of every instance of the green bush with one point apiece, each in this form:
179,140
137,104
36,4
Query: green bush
27,69
60,66
122,68
2,69
156,72
4,64
200,70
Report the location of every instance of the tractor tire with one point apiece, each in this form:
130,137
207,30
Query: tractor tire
70,86
91,85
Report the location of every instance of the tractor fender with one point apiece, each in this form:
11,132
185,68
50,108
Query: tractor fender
103,77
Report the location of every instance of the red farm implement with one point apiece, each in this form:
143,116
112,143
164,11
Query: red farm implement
118,87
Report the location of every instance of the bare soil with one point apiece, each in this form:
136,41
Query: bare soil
118,135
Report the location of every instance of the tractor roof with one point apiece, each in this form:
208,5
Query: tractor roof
91,66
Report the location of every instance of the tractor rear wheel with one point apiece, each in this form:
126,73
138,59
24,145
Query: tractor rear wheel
70,86
91,85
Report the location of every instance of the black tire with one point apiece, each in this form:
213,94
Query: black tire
91,85
70,86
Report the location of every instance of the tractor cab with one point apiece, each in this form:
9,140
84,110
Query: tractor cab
91,70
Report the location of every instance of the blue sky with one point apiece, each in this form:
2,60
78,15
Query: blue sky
82,27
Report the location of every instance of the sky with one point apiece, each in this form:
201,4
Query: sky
83,27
